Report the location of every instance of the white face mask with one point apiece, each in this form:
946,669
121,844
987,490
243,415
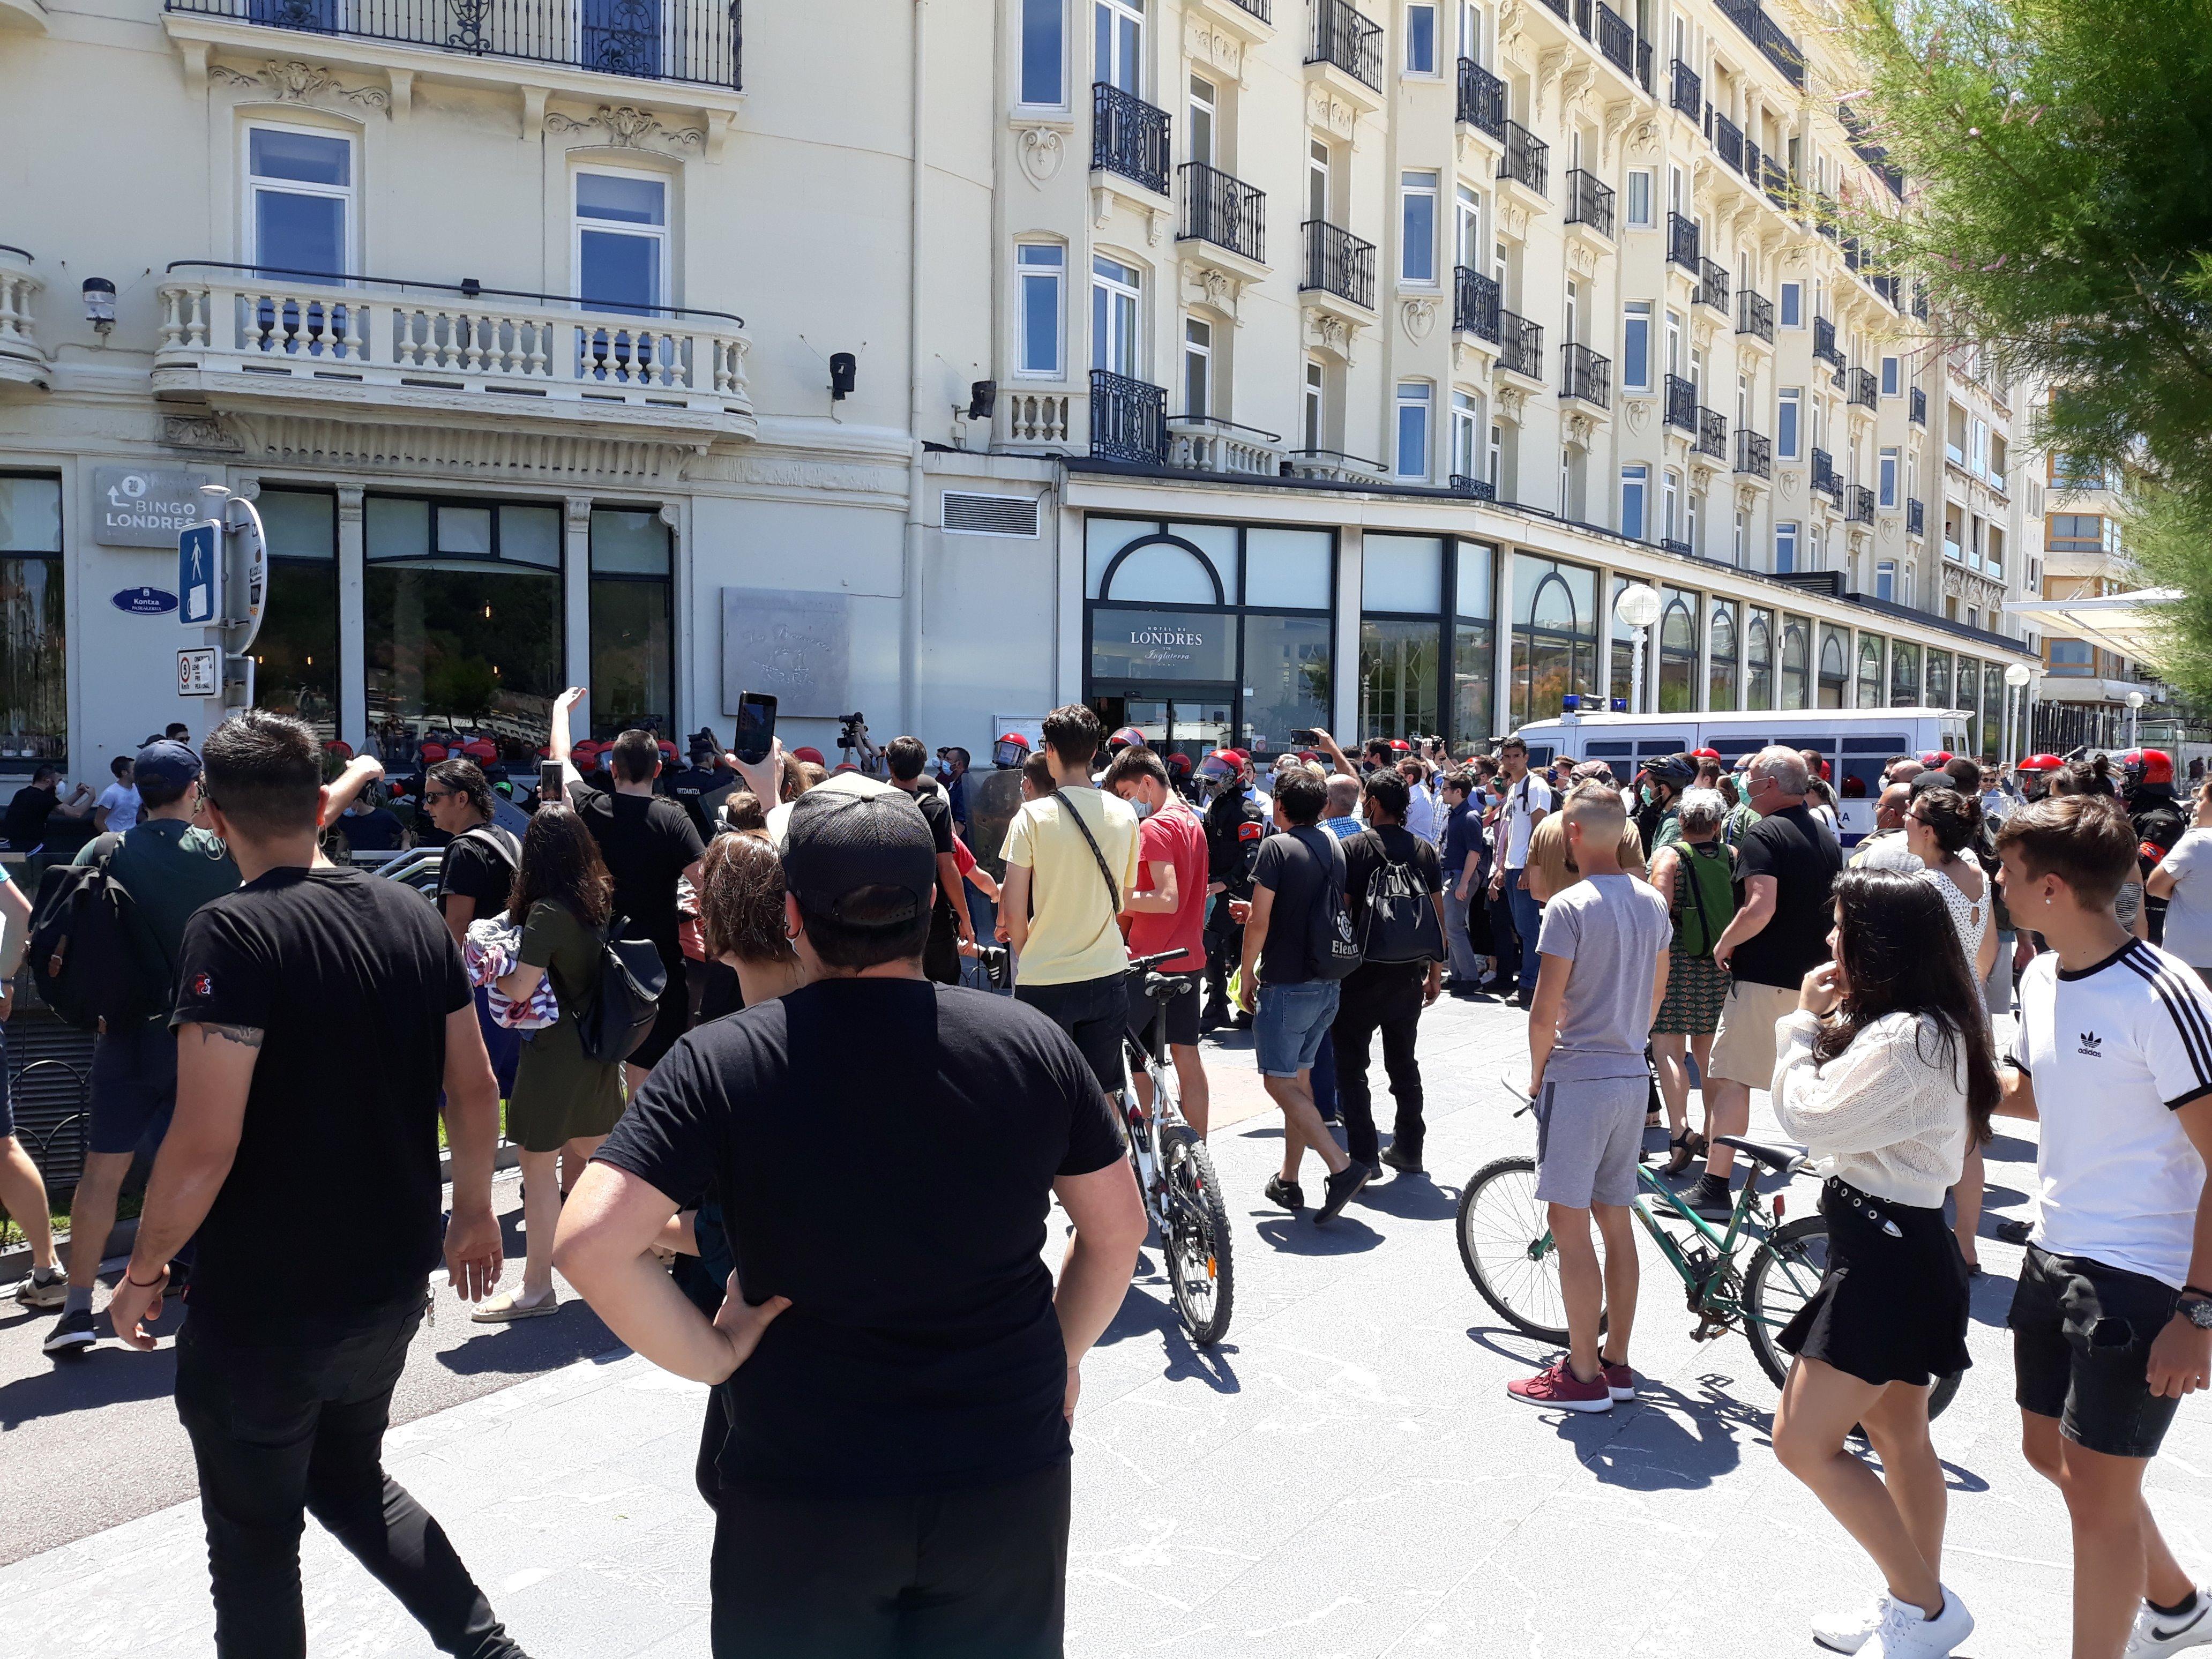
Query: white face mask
1143,807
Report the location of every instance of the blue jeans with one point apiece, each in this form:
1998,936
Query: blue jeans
1527,917
1293,1024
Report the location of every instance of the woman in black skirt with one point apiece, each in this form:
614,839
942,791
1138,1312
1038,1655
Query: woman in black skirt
1883,1072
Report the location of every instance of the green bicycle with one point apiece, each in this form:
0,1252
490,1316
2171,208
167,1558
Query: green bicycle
1505,1243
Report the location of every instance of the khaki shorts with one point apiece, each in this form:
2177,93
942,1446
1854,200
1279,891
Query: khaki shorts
1743,1048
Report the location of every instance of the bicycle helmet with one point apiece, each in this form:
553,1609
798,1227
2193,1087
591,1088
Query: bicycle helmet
1677,772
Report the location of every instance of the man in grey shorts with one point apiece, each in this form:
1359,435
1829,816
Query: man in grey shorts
1602,972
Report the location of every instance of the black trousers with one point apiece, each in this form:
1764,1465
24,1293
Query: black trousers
1385,997
964,1574
1505,940
1224,950
281,1432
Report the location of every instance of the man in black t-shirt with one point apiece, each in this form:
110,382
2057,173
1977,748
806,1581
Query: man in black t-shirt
950,926
30,807
476,873
1787,862
1385,996
888,1450
647,841
286,1368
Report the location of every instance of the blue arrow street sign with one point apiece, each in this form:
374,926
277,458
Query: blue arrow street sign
199,574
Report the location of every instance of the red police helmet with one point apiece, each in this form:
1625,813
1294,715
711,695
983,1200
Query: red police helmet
2040,763
1233,757
1705,754
809,753
1399,744
2148,766
1127,738
1936,757
433,753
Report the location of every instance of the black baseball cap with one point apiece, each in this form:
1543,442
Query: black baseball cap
168,760
859,853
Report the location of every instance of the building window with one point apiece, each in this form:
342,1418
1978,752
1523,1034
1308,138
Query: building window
1741,540
1401,604
1869,686
1421,39
1639,199
295,656
1796,664
34,613
1793,304
1636,345
1996,543
1785,548
1316,388
1116,343
1891,378
633,647
1200,131
1888,475
1414,400
302,186
1835,676
2077,532
1789,403
1496,456
1044,52
1885,580
1758,661
1465,434
1470,31
1554,635
1118,43
1670,506
1635,485
1677,652
1468,241
1417,255
1318,180
621,242
1721,647
1042,268
1197,368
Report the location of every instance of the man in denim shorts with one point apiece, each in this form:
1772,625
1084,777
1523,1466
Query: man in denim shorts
1291,881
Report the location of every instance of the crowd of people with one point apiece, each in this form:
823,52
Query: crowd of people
676,990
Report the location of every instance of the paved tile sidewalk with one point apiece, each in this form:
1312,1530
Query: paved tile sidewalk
1344,1476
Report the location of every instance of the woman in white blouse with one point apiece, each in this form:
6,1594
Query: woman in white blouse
1885,1072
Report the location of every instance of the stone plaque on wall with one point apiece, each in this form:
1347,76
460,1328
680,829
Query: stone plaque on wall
797,647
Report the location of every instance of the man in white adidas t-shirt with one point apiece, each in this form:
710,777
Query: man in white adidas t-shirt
2113,1319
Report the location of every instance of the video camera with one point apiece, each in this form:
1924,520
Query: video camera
853,731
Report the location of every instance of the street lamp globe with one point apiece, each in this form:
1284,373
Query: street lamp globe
2017,675
1637,605
2135,699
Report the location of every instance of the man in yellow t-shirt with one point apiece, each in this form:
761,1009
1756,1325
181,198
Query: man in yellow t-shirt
1059,910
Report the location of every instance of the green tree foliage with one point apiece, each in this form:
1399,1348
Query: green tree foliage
2169,540
2060,159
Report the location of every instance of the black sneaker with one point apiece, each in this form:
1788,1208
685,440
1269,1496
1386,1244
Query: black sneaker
1339,1189
2011,1231
1403,1157
72,1333
1712,1199
1287,1194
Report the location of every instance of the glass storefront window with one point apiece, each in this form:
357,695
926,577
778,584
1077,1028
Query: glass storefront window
1835,667
34,617
1294,569
1554,635
1398,677
1993,713
296,658
1148,646
1904,674
1620,656
1796,664
1758,661
455,643
1403,574
1286,678
1968,694
1474,646
1869,672
1937,680
1678,652
633,648
1720,686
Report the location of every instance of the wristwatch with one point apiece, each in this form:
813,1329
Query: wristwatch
2195,1307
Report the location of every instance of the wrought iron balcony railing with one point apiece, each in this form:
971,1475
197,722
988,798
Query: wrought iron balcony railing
1754,315
1712,286
1681,400
1728,142
1712,434
1916,403
1827,480
1474,303
1775,181
1225,211
1615,40
1128,419
1262,10
1685,91
1858,507
1915,518
1863,388
1643,63
1481,490
1678,547
1344,35
1590,201
1339,262
1682,242
1754,455
1520,346
1482,99
1824,343
1128,136
1526,159
1584,375
696,41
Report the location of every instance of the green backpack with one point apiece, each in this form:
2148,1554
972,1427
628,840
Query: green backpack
1709,904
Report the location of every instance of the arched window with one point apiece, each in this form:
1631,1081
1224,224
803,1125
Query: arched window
1720,688
1554,635
1869,672
1835,669
1759,663
1796,664
1677,653
1161,573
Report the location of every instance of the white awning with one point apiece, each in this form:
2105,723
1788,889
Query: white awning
2126,624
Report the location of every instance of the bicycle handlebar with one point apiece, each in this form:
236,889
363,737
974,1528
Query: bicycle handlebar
1139,964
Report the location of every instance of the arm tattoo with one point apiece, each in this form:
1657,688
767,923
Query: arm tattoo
247,1035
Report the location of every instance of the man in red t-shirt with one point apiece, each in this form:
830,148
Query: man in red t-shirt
1166,913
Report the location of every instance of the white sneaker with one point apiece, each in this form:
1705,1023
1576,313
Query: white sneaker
1847,1632
2159,1634
1906,1633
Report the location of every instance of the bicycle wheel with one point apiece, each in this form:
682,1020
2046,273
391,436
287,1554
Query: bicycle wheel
1196,1236
1505,1244
1784,1275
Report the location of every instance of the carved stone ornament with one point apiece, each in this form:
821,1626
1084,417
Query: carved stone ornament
1701,476
1581,257
1329,332
1209,45
1211,286
1325,109
1892,530
1617,116
1512,15
1579,426
1575,90
296,83
1637,411
197,432
1418,319
1509,399
628,127
1516,220
1701,331
1644,138
1746,497
1041,149
1787,483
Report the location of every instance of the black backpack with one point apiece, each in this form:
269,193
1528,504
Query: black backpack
620,1012
88,951
1332,946
1401,921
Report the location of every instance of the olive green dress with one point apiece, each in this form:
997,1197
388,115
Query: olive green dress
559,1096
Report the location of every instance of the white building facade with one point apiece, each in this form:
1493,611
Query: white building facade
1342,367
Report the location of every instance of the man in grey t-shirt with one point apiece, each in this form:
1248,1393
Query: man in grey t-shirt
1601,974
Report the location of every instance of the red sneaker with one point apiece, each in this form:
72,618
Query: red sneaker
1620,1382
1559,1389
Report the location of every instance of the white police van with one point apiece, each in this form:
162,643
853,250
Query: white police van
1857,743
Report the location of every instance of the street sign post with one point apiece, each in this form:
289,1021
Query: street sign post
222,577
199,575
196,673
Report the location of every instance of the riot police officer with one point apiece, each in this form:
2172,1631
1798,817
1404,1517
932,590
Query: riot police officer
2158,815
1236,824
